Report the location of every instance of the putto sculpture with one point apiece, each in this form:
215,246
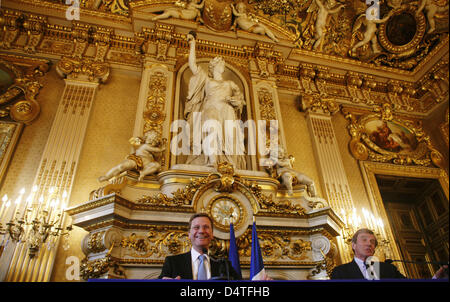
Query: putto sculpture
146,158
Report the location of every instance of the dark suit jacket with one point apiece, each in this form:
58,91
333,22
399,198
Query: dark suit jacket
181,265
351,271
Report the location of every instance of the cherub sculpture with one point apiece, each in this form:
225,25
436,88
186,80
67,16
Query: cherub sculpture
288,176
145,159
324,10
189,11
244,22
371,30
431,9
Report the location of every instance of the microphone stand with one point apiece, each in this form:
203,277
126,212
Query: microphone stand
223,262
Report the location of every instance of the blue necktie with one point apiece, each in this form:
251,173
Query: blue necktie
201,268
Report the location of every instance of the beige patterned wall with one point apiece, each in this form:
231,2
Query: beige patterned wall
106,144
26,159
297,139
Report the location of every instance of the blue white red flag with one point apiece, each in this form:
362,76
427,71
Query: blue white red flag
257,271
233,254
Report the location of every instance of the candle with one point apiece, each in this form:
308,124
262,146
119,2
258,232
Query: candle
27,204
5,206
16,206
63,208
40,203
54,210
2,209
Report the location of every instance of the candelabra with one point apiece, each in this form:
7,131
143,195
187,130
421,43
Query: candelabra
39,222
353,221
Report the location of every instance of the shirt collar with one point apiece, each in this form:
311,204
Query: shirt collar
195,254
359,262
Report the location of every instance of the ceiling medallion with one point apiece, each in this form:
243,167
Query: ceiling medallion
403,32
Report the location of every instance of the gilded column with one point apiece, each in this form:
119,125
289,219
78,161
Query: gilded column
156,90
326,150
264,87
59,160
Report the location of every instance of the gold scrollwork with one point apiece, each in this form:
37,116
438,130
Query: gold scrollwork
275,246
95,242
99,267
162,241
316,103
154,109
73,67
189,195
182,197
18,100
159,242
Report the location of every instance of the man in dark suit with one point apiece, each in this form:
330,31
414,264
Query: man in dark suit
364,243
197,264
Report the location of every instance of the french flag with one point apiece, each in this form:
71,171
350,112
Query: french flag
233,254
257,271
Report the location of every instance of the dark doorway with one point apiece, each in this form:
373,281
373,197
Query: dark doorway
418,213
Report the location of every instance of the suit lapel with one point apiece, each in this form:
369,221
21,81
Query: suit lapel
355,270
186,266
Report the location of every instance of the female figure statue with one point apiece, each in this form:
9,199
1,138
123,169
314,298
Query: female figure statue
213,101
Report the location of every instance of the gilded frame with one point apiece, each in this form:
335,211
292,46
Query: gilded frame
371,169
363,148
9,136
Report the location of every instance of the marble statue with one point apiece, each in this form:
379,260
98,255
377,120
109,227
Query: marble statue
190,12
145,159
244,22
322,15
213,101
431,9
288,176
371,30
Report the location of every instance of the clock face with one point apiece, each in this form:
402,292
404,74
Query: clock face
224,211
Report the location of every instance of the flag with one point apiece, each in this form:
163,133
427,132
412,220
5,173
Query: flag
233,254
257,271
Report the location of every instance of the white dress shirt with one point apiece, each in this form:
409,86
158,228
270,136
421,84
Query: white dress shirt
196,261
362,267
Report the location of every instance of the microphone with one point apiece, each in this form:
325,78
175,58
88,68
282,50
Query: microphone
223,267
223,263
440,263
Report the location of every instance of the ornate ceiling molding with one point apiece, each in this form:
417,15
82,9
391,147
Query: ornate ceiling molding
350,81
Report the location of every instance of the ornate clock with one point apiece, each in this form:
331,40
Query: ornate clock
224,210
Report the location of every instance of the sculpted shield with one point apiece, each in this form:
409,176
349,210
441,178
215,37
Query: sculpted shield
217,14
